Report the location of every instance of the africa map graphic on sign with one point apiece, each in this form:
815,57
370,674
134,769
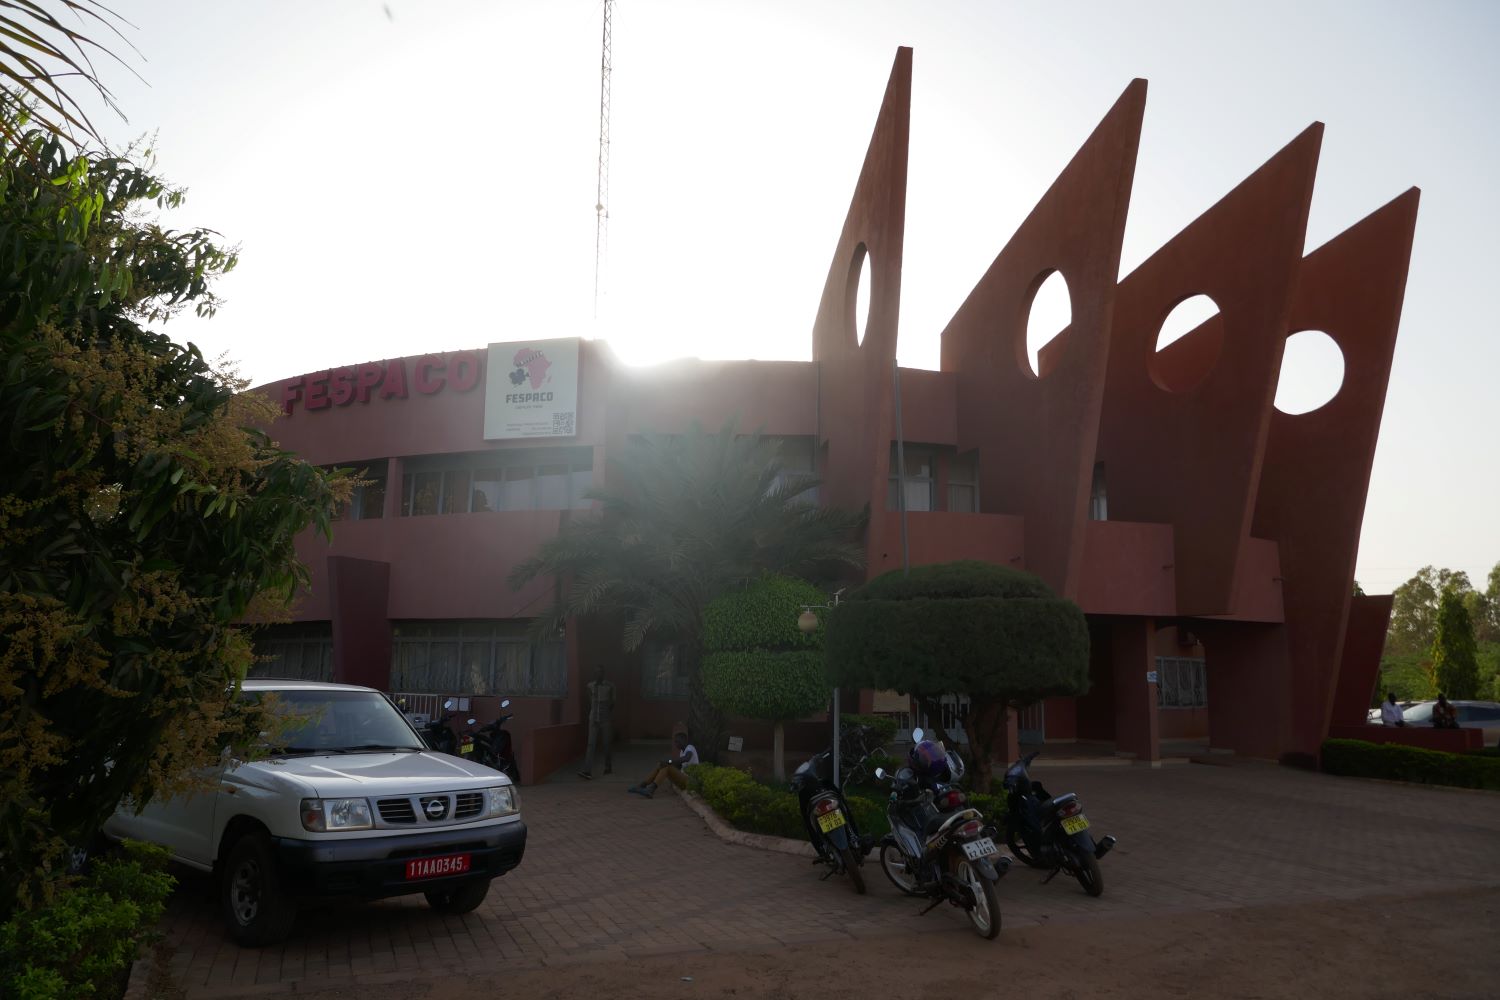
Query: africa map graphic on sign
530,364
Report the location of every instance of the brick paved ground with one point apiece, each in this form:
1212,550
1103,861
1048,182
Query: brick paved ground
608,875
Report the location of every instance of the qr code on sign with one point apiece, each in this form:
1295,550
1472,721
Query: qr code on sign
562,424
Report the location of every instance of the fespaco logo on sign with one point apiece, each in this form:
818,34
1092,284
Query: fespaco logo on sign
459,371
531,390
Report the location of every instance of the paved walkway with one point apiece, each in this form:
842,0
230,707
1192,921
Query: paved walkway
609,875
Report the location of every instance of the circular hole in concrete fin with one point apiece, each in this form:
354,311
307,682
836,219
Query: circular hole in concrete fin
1312,372
1187,345
1049,317
859,293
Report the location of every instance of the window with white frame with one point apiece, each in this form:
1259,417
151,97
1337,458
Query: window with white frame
510,479
963,483
1181,682
921,486
476,657
663,676
296,651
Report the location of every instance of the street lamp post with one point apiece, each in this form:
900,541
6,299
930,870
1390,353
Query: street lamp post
807,621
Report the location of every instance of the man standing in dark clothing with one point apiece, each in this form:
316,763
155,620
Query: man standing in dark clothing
601,713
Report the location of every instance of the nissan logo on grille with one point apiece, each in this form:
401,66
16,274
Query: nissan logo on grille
435,808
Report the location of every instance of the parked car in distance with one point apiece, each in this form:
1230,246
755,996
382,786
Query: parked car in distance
1374,714
345,800
1483,715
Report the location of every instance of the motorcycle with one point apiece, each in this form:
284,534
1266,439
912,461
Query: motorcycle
941,849
826,815
1051,831
437,734
495,748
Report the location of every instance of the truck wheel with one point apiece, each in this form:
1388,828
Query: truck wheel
256,907
463,898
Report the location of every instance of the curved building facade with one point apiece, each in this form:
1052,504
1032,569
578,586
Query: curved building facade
1210,538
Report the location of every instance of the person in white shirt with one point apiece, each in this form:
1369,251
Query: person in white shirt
1390,712
671,768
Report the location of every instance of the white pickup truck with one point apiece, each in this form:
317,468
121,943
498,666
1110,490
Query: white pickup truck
349,802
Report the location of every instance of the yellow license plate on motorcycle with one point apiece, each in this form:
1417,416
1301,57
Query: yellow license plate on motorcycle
1075,824
466,748
828,822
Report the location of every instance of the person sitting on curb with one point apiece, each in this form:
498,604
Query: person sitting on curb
1443,714
671,768
1390,712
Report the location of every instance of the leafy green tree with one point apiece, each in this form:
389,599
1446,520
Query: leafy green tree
993,633
1358,590
758,664
1407,674
1415,607
1454,668
1484,608
686,519
141,516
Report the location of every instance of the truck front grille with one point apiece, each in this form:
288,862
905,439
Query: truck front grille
396,810
469,805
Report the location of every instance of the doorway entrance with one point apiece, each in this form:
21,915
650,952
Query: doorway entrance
1031,723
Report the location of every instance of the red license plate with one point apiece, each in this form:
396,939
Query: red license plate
449,864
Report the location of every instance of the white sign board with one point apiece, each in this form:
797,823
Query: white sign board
1151,677
531,390
736,743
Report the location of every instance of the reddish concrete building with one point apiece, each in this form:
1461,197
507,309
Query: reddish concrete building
1210,538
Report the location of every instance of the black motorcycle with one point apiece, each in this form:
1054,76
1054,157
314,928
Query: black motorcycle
826,815
941,849
438,735
1051,832
494,746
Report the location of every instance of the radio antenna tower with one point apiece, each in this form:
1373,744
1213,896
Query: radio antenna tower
601,199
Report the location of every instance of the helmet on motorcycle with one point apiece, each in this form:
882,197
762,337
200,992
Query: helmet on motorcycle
929,760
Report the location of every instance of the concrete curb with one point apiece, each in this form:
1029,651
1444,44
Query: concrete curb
1410,784
728,834
140,975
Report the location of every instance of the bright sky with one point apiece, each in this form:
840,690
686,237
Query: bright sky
424,180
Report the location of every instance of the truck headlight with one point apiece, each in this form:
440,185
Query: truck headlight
322,815
503,800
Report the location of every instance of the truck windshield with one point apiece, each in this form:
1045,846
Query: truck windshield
335,722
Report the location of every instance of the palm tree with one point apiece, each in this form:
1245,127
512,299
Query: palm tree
40,48
686,519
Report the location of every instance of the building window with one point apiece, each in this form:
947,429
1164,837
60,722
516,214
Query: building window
963,483
1182,682
799,465
476,657
920,484
299,651
368,498
518,479
662,673
1098,496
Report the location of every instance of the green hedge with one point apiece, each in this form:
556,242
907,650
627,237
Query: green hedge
748,805
763,616
961,578
1025,648
83,942
1394,761
761,684
883,727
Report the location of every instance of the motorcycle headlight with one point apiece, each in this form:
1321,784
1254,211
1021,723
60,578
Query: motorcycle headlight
323,815
503,800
